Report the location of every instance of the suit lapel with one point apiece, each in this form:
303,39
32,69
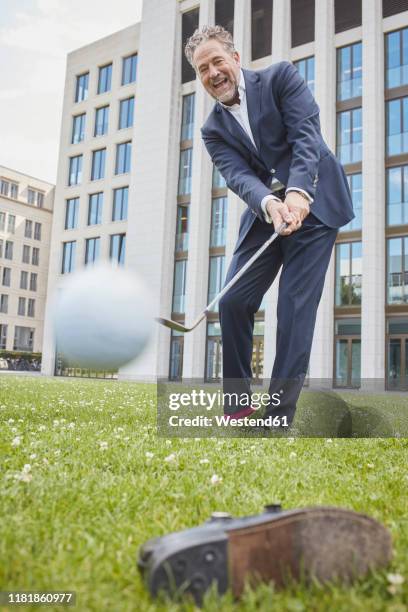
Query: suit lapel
253,97
235,129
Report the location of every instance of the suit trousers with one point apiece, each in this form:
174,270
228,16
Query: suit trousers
304,257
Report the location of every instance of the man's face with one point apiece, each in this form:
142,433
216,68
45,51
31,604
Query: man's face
218,70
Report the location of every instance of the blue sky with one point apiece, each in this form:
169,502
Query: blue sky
35,37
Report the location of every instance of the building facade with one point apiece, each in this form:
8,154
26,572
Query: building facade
182,220
26,207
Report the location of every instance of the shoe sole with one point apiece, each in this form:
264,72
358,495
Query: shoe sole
323,544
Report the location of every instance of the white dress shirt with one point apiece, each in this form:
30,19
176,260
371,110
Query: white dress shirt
240,114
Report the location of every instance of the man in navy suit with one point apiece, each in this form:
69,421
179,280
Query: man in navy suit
263,135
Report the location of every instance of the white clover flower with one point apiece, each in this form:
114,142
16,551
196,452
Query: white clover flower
395,579
33,456
120,429
215,479
149,455
16,441
292,455
168,442
202,461
57,452
56,422
71,425
27,467
329,441
14,430
42,428
103,445
370,465
10,421
243,462
170,458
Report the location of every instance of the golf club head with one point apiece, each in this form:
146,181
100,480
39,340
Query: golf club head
172,325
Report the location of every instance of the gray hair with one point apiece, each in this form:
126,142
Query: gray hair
208,33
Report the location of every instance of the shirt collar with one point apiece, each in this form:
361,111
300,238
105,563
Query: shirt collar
241,92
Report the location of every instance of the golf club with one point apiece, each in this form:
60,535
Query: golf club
176,326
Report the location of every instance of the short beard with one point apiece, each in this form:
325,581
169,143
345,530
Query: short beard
233,100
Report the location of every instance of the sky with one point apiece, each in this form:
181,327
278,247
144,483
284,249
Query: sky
35,37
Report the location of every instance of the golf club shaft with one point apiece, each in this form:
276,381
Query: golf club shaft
244,268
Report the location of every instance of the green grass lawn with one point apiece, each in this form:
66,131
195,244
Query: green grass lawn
99,483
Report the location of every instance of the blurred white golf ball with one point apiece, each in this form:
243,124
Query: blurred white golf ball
103,317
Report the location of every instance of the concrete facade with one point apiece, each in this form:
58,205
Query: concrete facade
29,201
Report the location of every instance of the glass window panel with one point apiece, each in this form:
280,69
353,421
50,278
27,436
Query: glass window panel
216,278
98,164
120,204
92,246
218,181
101,121
218,222
185,171
179,292
71,213
75,170
117,248
394,363
78,129
341,363
123,157
105,79
81,92
129,68
95,208
68,257
126,111
182,228
187,123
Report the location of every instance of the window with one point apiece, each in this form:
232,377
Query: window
40,199
348,273
189,23
218,222
11,225
37,231
23,280
123,155
92,250
98,164
33,281
397,270
306,69
347,14
218,181
21,306
105,79
224,14
14,191
355,183
303,21
120,204
35,259
397,354
1,247
31,196
23,338
71,213
68,257
397,126
75,170
396,58
185,171
81,91
179,290
129,67
6,277
2,221
349,72
216,277
4,303
182,228
101,121
349,136
26,254
3,336
95,208
213,366
4,187
397,195
8,251
118,248
78,128
28,230
347,353
392,7
187,121
261,28
31,308
126,113
176,356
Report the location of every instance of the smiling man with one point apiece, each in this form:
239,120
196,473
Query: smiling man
263,135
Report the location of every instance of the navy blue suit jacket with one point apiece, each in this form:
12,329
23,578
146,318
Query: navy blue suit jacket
284,119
